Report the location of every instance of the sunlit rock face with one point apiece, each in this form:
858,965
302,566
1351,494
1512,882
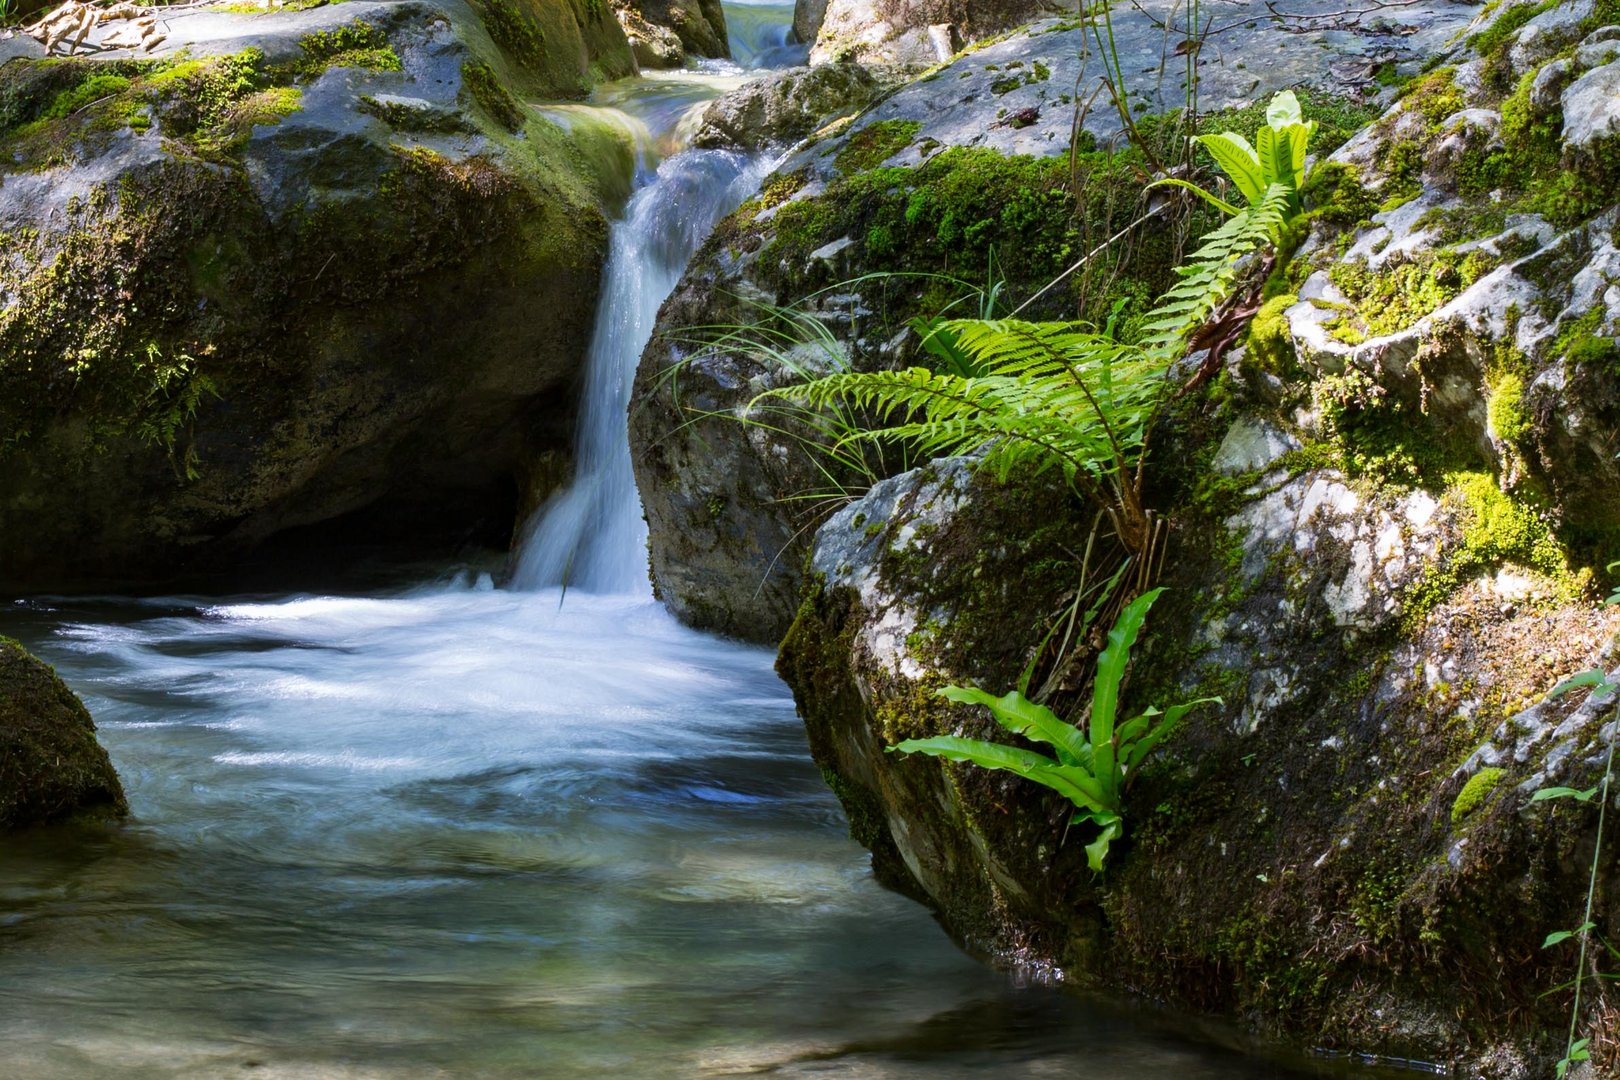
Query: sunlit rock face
921,32
664,33
725,500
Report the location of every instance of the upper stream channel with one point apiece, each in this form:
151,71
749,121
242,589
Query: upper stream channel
445,829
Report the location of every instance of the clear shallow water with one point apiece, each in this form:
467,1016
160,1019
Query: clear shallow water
464,832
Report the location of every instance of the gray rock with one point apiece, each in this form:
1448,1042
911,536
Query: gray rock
1251,444
1601,46
1592,109
808,15
786,106
1546,92
1548,33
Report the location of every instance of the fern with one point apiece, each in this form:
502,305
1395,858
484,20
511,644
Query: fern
1092,769
1060,394
1209,273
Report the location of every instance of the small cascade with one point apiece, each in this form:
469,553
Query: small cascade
591,535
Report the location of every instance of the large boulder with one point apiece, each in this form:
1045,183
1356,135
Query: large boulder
1343,855
920,32
1460,281
964,174
663,33
786,106
51,766
291,267
1387,522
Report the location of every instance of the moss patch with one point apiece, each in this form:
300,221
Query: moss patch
875,144
1498,530
357,45
1505,409
1473,793
491,95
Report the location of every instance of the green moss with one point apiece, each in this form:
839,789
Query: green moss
1595,351
514,29
1473,793
51,766
480,80
1435,96
1335,195
1497,530
1373,434
1270,342
1397,294
875,144
1492,44
1531,170
405,118
1583,341
358,45
1505,409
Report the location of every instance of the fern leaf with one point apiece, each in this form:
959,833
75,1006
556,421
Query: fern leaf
1238,161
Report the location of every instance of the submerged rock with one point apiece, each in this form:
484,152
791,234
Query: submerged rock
51,766
289,267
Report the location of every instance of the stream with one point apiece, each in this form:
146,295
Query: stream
449,829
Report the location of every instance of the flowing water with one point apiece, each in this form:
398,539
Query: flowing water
452,830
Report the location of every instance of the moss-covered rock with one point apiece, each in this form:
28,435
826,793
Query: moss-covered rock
1343,855
968,176
663,33
917,32
321,263
51,766
1468,301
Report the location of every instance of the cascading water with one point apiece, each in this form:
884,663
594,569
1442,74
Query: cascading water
591,536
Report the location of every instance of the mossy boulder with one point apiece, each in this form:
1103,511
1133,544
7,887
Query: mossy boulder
1455,299
1341,855
320,264
663,33
786,106
51,766
921,32
968,175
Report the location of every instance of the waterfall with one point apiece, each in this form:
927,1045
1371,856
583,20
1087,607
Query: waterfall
591,535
